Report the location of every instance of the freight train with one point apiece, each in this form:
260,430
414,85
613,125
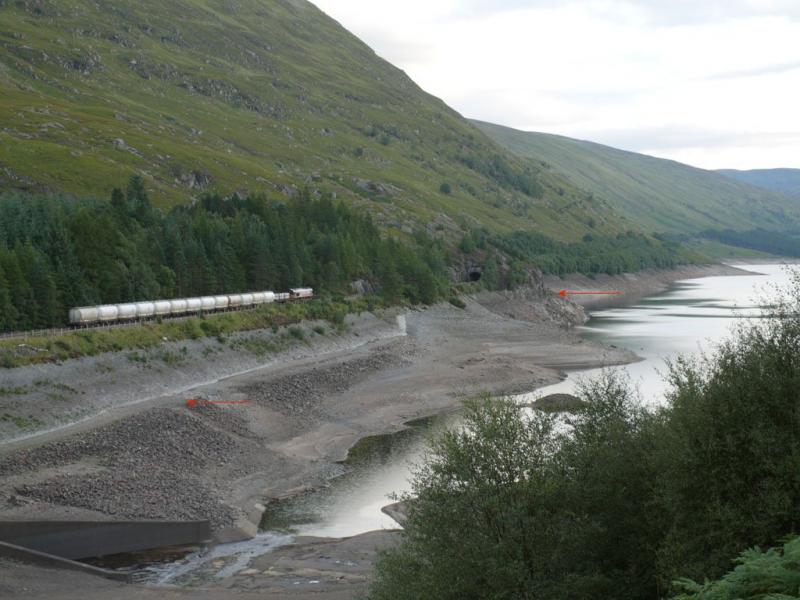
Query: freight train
133,311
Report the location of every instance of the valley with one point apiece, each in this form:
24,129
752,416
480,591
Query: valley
382,434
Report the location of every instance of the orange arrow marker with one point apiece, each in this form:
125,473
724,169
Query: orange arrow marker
194,402
564,293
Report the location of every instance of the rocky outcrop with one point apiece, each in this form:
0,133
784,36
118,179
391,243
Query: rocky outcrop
534,304
558,403
197,179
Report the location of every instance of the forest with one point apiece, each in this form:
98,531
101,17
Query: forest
61,252
772,242
624,253
57,253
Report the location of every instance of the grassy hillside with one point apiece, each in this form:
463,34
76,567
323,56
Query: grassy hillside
251,95
785,181
658,195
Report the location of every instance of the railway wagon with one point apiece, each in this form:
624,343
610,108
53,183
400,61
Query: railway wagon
132,311
301,293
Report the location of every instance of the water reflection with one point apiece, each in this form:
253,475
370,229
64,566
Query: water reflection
351,504
690,317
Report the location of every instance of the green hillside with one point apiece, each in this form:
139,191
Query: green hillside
785,181
658,195
251,96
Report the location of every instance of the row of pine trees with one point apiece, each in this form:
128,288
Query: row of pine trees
58,253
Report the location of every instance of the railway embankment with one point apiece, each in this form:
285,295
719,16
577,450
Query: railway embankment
44,397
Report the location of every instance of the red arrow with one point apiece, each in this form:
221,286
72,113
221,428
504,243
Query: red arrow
192,402
563,293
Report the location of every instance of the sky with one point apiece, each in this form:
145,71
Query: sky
712,83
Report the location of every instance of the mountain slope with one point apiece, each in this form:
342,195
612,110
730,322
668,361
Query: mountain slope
659,195
226,95
785,181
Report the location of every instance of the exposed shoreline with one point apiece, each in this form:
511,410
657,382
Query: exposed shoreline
307,411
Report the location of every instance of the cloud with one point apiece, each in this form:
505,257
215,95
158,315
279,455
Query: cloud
659,12
681,138
757,71
673,77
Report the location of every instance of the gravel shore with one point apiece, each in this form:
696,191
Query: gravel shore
160,458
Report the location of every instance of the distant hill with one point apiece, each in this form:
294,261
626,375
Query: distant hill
785,181
257,96
658,195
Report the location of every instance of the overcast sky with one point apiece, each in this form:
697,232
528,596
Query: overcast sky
713,83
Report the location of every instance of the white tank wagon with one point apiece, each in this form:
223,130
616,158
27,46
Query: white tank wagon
145,310
263,297
194,305
134,311
126,311
108,312
89,314
178,306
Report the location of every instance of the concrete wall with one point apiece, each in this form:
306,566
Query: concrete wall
87,539
43,559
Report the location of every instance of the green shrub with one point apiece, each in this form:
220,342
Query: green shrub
457,302
770,575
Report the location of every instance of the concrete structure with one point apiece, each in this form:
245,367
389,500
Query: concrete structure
88,539
43,559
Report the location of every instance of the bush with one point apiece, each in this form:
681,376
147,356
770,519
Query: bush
728,453
456,543
770,575
457,302
445,188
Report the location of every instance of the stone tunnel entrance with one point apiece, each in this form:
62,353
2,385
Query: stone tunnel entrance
474,274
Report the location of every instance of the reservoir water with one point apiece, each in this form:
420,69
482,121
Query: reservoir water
690,317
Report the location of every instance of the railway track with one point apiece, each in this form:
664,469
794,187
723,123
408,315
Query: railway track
59,331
